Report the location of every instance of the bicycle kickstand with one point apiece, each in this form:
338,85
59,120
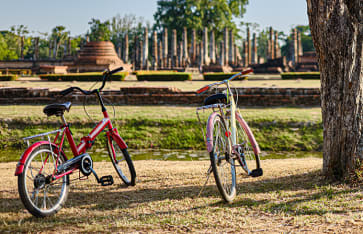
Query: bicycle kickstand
206,181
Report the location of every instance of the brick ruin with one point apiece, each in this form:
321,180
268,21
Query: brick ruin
167,53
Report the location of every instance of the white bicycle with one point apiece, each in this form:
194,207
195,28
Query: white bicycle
228,138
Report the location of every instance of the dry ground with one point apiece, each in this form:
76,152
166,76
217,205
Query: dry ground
290,197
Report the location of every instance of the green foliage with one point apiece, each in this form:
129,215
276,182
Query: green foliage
99,31
7,47
163,76
213,14
301,75
94,76
59,37
8,77
219,76
306,41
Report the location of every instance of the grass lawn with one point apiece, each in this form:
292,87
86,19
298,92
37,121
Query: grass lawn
291,196
255,81
167,127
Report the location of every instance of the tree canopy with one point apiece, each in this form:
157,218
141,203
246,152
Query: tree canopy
213,14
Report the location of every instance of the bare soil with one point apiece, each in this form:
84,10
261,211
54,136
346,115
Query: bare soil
291,196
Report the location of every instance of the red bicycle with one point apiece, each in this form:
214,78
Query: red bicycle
43,169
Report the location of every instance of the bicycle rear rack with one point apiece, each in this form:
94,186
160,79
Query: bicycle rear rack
46,134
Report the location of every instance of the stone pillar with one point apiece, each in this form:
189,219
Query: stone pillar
272,44
180,55
119,50
221,53
245,53
254,53
145,53
185,47
155,51
125,57
249,47
174,49
276,46
193,47
205,47
55,49
165,47
201,54
230,46
300,50
141,56
36,48
160,50
135,54
295,57
235,52
212,48
226,41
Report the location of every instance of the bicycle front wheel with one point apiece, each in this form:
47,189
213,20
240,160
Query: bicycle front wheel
248,149
40,195
122,162
222,163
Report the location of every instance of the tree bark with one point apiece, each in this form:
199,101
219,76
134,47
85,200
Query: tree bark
336,28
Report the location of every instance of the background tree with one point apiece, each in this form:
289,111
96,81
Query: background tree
336,28
213,14
59,36
99,31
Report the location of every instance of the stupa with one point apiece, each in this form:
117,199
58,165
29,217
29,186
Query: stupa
96,56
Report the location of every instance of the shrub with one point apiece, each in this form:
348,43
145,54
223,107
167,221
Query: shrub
300,75
8,77
94,76
163,76
219,76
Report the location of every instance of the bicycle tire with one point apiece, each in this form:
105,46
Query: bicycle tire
28,180
249,158
122,163
223,166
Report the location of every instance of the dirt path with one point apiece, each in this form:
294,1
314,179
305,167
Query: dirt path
290,197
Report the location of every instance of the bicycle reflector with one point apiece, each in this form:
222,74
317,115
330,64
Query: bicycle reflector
205,88
247,71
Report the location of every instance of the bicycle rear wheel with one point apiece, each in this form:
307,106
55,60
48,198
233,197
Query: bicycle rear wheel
122,162
41,196
223,166
248,149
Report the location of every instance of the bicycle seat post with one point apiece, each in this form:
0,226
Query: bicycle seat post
63,120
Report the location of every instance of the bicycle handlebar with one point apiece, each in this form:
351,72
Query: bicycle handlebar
207,87
106,74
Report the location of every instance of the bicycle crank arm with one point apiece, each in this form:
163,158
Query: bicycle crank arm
104,180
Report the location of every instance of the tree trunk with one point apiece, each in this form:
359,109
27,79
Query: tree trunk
336,28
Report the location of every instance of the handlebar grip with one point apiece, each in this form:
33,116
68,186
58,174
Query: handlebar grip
116,70
247,71
67,91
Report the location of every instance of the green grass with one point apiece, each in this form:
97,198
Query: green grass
168,127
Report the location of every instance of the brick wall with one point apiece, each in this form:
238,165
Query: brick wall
166,96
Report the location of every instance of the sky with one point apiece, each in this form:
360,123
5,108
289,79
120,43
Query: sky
43,15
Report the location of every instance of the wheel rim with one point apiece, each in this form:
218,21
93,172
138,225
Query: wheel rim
44,196
120,163
224,163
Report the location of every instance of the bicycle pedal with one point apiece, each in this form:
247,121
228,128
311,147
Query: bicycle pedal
256,172
106,180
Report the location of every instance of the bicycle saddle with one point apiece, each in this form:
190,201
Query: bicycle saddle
216,98
57,109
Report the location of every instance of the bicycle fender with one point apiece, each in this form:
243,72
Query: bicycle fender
119,140
251,137
20,166
209,132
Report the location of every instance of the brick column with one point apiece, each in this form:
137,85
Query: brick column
160,51
212,48
193,48
145,54
226,41
174,49
254,53
155,51
36,49
230,48
125,56
205,46
221,53
185,61
249,47
165,48
272,44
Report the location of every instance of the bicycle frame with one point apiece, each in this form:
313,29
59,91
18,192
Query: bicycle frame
85,144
